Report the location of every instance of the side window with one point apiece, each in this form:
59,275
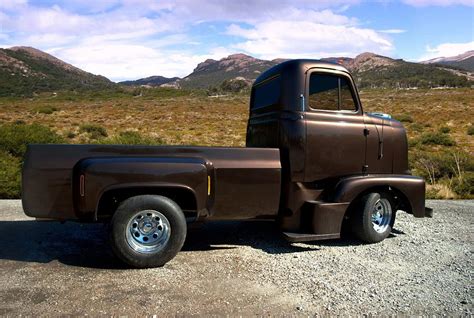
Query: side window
330,92
323,92
267,93
347,101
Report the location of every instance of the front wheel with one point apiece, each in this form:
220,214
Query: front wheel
373,218
147,231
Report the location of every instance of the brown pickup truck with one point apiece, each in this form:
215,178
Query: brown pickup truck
314,162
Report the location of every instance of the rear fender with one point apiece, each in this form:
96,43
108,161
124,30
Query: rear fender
412,189
96,176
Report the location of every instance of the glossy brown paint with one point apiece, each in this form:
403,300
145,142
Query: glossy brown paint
51,177
409,187
301,166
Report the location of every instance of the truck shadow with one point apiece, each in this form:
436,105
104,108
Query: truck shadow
86,245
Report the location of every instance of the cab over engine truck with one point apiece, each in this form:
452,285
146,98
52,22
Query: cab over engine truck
314,162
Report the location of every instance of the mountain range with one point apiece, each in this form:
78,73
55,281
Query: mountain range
25,71
463,61
369,70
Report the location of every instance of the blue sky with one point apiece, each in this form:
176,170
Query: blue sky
129,39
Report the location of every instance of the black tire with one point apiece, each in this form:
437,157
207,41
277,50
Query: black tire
362,225
122,238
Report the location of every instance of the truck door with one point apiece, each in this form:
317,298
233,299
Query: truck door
335,140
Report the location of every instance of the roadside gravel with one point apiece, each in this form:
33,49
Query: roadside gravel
241,268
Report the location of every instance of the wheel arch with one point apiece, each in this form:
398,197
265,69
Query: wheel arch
112,196
400,200
409,191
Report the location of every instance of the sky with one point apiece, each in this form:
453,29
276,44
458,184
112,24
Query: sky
130,39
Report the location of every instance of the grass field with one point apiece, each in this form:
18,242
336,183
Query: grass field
439,123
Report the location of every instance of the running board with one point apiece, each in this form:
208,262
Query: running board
306,237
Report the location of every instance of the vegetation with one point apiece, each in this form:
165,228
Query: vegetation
470,130
131,138
95,131
409,75
404,118
48,110
233,86
42,75
438,123
16,136
436,138
9,176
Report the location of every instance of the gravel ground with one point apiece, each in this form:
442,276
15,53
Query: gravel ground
241,268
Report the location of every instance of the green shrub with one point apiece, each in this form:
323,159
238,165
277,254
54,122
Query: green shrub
71,134
405,118
416,127
470,130
48,110
464,186
436,138
413,142
95,131
432,194
131,138
15,137
444,130
10,168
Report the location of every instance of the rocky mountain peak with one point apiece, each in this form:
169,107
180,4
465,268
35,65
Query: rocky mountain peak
37,54
367,61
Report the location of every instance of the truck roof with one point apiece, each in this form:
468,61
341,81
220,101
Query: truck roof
301,65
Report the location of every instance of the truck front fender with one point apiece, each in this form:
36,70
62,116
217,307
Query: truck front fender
410,187
95,176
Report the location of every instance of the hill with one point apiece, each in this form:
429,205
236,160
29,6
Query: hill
376,71
26,70
212,73
151,81
463,61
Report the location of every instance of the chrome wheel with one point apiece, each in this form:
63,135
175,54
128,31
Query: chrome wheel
381,215
148,231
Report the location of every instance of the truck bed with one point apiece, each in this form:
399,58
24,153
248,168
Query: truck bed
246,182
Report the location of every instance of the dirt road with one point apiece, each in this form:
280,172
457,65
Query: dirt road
241,268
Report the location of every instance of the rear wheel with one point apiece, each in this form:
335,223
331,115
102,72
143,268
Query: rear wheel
373,218
147,231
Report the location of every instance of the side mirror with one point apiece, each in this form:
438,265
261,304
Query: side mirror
381,115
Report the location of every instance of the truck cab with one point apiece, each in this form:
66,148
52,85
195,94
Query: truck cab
311,111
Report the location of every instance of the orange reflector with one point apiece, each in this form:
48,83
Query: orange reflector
208,185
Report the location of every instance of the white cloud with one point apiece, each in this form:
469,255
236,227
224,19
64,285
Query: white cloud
120,61
12,4
124,39
292,39
443,3
446,50
393,31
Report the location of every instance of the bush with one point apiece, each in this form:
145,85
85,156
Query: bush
438,138
15,137
405,118
416,127
71,135
131,138
444,130
10,168
95,131
464,186
48,110
470,130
